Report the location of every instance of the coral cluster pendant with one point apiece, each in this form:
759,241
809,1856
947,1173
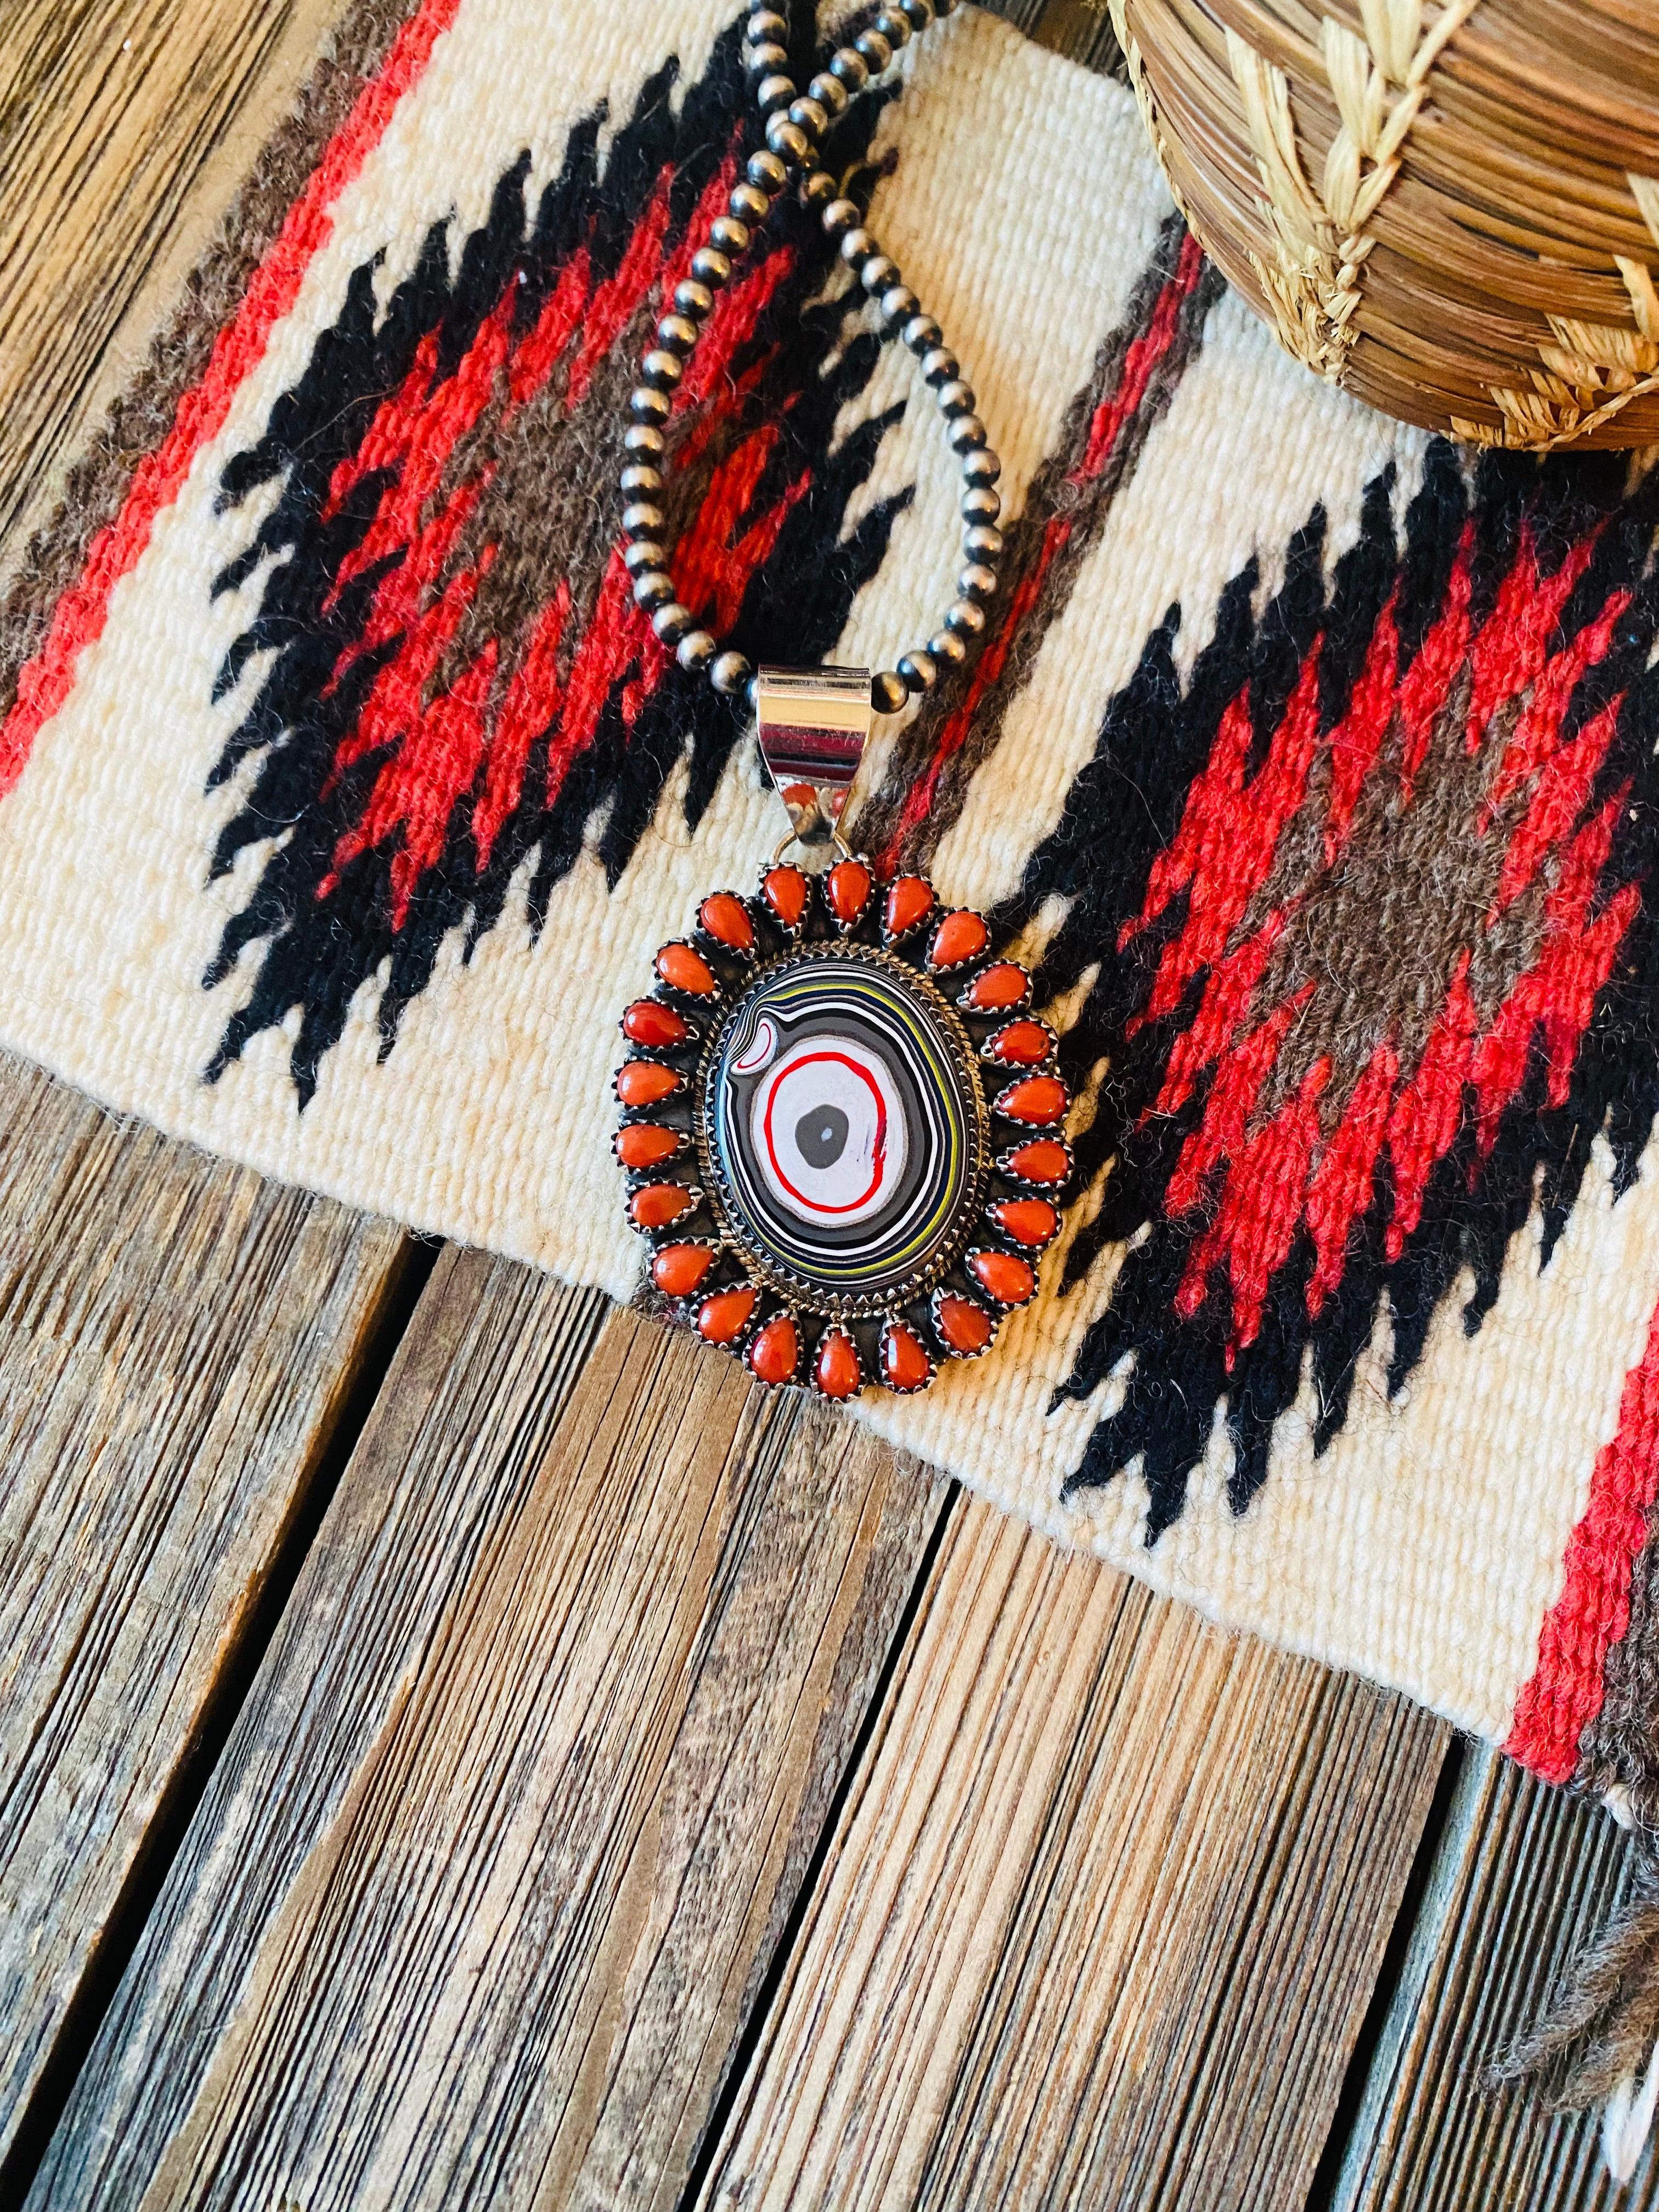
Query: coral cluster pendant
843,1129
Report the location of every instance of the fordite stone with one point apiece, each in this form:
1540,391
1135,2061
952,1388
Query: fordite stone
852,1064
847,1130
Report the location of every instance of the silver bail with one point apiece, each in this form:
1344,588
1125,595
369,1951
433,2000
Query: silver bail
814,726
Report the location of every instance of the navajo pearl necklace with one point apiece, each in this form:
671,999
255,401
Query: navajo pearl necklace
842,1124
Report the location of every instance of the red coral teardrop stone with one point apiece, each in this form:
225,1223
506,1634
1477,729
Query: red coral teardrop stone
836,1369
1039,1098
646,1145
658,1204
1004,984
644,1082
965,1327
726,918
723,1318
905,1362
649,1022
1027,1220
773,1355
909,901
1043,1160
1021,1044
686,971
961,936
1010,1281
785,891
848,887
678,1269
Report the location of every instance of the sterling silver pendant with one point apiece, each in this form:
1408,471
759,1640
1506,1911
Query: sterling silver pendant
842,1128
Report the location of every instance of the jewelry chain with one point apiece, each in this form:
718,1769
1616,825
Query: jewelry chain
795,125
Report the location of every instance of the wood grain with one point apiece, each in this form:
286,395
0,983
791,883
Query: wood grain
176,1337
490,1861
1102,1918
124,126
1523,1877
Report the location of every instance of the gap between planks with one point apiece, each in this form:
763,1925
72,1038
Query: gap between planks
130,152
556,1720
178,1345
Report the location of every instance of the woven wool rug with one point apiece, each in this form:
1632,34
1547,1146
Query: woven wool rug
345,798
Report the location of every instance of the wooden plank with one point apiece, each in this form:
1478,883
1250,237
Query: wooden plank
1082,31
1523,1875
124,127
177,1339
1101,1919
469,1912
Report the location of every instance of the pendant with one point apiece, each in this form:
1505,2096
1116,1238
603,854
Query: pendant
843,1128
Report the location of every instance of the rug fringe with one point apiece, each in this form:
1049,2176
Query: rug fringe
1598,2040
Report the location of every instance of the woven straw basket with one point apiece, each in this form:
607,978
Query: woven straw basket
1450,209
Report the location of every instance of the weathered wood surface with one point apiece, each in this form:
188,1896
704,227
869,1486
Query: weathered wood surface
124,127
176,1341
635,1799
1522,1876
469,1913
1103,1916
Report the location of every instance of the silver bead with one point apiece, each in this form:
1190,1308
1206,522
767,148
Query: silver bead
767,60
830,93
965,617
817,188
766,172
840,217
693,299
746,204
897,302
944,7
955,398
647,404
695,651
672,622
966,433
981,506
874,52
851,68
887,692
857,247
920,671
895,28
940,366
922,334
661,368
878,273
918,13
710,267
981,467
765,23
981,543
774,92
729,673
642,519
727,237
976,581
946,645
678,333
642,555
789,140
751,695
654,588
808,115
640,480
645,438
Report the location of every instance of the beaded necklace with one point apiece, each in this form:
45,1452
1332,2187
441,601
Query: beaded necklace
842,1124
